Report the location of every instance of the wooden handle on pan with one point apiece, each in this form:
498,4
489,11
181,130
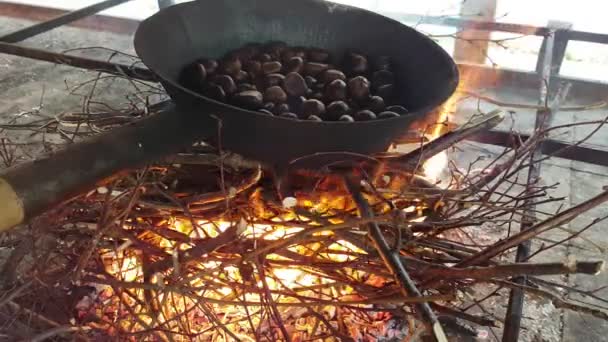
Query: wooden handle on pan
31,188
11,209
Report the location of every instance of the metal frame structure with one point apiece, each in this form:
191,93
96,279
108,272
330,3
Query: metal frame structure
556,37
67,18
165,3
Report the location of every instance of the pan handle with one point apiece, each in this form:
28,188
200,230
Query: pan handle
31,188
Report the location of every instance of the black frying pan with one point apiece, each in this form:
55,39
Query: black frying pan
178,35
181,34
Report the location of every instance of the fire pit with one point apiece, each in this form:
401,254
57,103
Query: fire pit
352,243
200,247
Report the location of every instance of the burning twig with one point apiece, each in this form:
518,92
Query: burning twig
392,260
419,156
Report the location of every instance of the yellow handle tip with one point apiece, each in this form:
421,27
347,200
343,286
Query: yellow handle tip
11,207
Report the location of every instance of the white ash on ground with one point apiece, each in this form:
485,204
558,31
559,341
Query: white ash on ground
542,320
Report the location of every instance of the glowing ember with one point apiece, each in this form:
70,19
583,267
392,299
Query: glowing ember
228,292
235,292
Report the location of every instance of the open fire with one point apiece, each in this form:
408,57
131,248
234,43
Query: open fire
303,272
291,267
204,247
201,247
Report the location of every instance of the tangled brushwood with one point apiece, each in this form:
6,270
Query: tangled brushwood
201,247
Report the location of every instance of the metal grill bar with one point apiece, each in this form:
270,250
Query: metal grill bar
165,3
543,120
549,147
61,20
79,62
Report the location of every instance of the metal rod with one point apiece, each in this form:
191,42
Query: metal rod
392,258
79,62
61,20
434,20
98,22
165,3
550,147
468,24
591,37
559,40
542,122
516,297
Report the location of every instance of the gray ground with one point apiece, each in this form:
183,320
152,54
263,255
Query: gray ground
22,83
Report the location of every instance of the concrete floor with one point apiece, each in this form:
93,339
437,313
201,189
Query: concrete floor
22,83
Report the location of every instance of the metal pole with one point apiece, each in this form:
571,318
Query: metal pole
543,120
44,26
79,62
165,3
560,31
551,147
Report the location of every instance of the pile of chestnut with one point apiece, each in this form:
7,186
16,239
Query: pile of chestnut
298,83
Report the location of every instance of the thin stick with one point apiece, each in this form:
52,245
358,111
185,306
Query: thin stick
271,302
56,331
392,260
440,144
550,223
557,301
511,270
397,299
591,106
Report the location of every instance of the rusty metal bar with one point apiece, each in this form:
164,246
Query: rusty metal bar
590,37
42,27
550,147
466,24
584,36
469,24
543,119
516,298
79,62
560,43
97,22
165,3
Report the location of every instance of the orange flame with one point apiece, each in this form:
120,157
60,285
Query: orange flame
438,163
